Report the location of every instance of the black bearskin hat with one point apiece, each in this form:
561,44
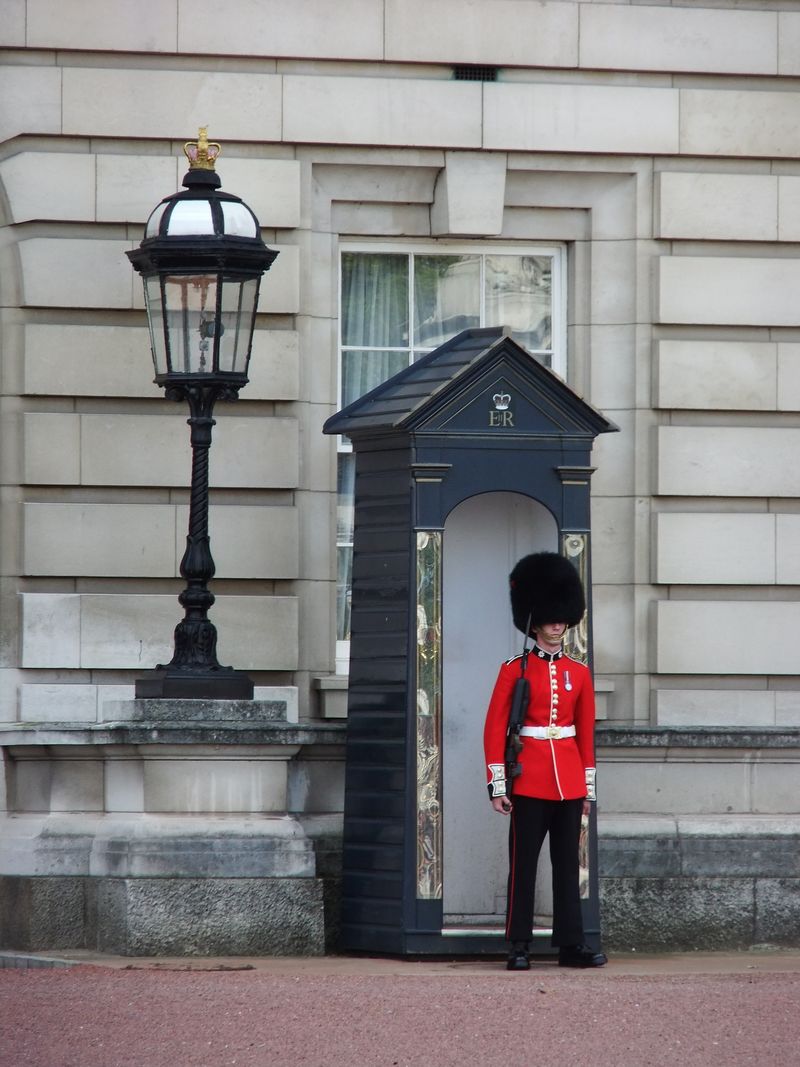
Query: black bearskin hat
545,587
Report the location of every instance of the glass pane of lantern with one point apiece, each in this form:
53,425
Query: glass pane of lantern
151,229
238,219
190,302
190,217
239,300
155,319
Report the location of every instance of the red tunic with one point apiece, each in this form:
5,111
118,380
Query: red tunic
561,695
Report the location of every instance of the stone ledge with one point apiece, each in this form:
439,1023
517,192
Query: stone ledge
628,736
170,733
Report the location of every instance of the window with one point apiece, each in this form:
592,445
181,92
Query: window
398,303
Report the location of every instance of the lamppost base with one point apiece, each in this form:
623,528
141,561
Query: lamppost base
223,684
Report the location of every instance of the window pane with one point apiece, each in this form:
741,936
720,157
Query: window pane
374,300
362,371
447,297
519,295
344,543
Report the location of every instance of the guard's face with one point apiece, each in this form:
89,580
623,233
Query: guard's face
551,632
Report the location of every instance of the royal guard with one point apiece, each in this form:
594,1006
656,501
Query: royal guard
539,747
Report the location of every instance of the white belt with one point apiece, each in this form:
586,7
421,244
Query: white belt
547,733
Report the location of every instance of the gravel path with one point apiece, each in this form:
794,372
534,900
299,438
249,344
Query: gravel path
89,1016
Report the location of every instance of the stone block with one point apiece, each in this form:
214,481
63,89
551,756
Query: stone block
154,450
41,702
29,786
777,912
470,194
613,360
31,101
283,28
143,26
274,369
210,916
714,707
218,786
52,448
580,118
616,37
676,914
88,360
271,187
705,290
247,542
739,122
280,286
787,558
612,536
788,43
76,784
504,34
717,627
758,856
129,187
775,784
124,785
49,185
12,30
722,207
712,549
115,540
639,855
718,375
743,461
787,709
788,376
51,630
676,785
316,785
40,914
135,632
75,272
97,102
391,111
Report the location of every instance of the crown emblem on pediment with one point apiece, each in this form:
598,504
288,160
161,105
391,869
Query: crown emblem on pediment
501,401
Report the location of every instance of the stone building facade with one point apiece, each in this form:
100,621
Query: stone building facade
657,147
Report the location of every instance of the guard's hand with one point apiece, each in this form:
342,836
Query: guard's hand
502,805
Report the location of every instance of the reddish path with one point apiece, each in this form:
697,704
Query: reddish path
370,1013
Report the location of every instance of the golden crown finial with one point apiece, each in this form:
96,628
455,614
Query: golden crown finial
202,153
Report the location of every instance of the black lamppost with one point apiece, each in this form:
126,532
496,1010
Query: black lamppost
201,262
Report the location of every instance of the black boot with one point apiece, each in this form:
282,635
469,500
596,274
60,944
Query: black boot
518,957
580,956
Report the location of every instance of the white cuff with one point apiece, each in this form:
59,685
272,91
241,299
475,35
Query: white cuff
591,789
497,786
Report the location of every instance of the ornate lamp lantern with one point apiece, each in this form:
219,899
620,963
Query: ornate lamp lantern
201,262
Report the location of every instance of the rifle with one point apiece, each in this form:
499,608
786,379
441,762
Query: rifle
520,699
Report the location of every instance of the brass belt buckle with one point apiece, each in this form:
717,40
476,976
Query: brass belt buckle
553,731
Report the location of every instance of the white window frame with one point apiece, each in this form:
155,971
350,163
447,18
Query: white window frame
422,247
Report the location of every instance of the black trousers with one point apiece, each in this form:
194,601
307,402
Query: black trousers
531,820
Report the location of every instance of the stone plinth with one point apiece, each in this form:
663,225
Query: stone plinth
173,828
710,861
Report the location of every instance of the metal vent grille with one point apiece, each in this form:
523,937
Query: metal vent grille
475,74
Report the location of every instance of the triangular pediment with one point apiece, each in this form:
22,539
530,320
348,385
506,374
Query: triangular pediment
480,383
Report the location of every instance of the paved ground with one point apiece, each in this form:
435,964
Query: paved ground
693,1010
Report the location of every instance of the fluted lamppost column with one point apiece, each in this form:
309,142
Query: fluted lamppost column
201,261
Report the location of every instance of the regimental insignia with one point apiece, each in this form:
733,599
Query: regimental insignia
500,413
